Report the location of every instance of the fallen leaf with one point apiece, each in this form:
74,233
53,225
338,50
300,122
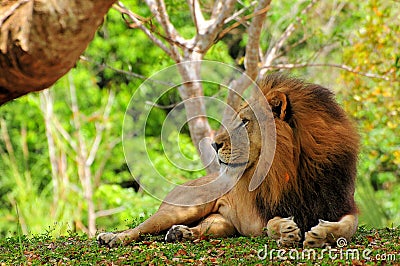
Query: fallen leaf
215,241
181,252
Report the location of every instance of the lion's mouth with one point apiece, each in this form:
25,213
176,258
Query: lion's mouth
232,164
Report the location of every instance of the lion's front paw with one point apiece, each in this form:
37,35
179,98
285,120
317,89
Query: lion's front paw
109,239
327,233
320,235
284,230
178,233
290,234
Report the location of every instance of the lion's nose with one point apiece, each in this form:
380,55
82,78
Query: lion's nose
216,146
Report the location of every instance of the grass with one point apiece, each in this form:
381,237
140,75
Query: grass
369,246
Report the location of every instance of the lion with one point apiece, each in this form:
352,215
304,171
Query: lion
306,197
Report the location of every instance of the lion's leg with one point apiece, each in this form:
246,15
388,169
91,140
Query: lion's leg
164,218
214,224
327,233
284,230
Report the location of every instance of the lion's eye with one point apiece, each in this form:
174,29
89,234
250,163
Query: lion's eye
245,122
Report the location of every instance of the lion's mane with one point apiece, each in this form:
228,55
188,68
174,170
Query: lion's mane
313,172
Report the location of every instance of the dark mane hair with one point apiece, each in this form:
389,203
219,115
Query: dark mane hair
314,168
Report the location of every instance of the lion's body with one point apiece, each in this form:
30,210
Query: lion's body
311,176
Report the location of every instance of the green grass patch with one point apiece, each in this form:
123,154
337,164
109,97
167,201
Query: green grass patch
369,246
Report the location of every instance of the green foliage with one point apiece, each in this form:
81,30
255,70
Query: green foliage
23,157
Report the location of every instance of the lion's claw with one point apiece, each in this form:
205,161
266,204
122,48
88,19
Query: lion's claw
319,235
178,233
109,239
284,230
290,234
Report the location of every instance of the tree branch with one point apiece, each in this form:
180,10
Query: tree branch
217,8
240,21
60,129
104,159
128,73
208,32
253,44
31,60
123,10
197,14
251,59
81,151
159,10
109,212
340,66
237,14
104,65
272,52
100,130
46,106
7,141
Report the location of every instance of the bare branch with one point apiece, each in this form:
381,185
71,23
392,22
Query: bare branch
335,12
197,15
60,129
241,21
272,52
223,9
96,144
84,173
7,141
209,31
46,106
253,44
109,212
24,146
100,167
251,60
128,73
99,129
123,10
238,13
104,65
217,9
164,107
340,66
81,151
159,10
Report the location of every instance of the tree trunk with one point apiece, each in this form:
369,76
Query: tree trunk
41,40
192,94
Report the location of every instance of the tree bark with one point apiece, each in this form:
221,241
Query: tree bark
41,40
191,92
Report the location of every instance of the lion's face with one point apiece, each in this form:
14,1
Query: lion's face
239,143
248,142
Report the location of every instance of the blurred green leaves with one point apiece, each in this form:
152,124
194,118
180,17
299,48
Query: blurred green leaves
375,104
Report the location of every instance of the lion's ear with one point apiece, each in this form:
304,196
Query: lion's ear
279,103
